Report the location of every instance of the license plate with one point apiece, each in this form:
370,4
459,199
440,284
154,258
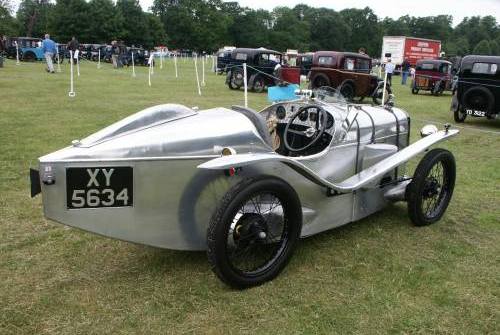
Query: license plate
475,113
93,187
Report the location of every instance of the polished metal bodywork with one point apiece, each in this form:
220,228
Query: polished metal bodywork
179,174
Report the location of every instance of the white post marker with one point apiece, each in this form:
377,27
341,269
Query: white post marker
17,54
203,72
175,64
58,60
245,83
150,63
161,58
71,92
133,65
197,77
77,52
383,93
99,59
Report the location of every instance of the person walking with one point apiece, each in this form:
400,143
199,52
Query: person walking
73,45
389,70
49,49
405,70
115,51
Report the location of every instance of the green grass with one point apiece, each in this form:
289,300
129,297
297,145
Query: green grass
377,276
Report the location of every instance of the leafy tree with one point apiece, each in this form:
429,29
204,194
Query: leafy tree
329,31
290,30
365,30
482,48
8,24
33,17
106,23
71,18
250,29
494,48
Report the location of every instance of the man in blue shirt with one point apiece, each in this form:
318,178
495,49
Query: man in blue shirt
49,49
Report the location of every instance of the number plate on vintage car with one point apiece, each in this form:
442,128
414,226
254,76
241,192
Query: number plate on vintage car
99,187
475,113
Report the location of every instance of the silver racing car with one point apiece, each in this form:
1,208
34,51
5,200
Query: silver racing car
245,186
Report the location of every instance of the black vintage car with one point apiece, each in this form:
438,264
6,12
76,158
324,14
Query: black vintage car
476,88
261,68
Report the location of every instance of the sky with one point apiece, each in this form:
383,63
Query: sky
391,8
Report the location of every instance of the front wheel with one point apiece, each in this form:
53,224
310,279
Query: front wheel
254,231
431,188
259,85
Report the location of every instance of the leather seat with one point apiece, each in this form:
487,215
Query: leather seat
258,120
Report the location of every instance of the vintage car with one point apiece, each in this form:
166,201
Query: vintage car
30,48
350,73
264,68
476,88
223,59
243,185
433,75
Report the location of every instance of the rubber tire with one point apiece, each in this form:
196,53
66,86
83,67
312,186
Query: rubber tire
259,89
479,90
320,80
347,90
234,73
222,217
415,188
455,107
414,91
378,101
29,57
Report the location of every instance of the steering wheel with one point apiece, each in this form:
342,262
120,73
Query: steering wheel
314,133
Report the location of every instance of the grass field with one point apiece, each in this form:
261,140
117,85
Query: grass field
377,276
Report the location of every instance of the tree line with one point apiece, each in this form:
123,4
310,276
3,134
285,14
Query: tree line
206,25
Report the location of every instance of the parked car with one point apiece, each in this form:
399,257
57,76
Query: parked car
304,61
243,185
433,76
350,73
140,57
261,68
30,49
476,88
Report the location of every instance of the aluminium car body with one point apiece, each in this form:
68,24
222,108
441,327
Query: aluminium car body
165,176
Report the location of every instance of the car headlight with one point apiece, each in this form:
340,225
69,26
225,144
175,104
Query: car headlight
428,129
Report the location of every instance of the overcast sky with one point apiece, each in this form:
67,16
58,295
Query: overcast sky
392,8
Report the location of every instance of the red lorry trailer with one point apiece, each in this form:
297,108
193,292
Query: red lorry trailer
397,48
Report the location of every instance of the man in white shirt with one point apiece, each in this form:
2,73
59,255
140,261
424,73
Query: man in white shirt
389,69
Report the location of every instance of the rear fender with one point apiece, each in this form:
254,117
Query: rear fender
363,179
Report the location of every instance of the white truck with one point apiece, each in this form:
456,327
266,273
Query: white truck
399,48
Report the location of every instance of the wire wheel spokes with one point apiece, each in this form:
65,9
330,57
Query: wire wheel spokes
257,234
434,191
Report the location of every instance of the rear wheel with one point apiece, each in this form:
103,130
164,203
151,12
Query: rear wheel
347,91
29,56
254,231
479,98
320,81
431,188
379,95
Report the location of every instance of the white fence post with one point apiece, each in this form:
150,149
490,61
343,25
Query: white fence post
385,84
71,92
245,83
197,77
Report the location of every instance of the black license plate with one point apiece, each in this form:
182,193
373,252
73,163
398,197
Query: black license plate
92,187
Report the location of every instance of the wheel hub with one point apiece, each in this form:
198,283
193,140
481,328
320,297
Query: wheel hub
251,227
432,188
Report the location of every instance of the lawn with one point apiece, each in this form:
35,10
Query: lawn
381,275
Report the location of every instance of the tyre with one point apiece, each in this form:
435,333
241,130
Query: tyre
379,94
458,114
320,80
253,232
431,188
438,88
414,90
236,79
347,90
478,98
29,56
258,84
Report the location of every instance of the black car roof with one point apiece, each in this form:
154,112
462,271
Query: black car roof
253,52
433,61
468,60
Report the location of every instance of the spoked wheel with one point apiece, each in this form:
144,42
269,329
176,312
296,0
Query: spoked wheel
259,85
236,79
254,231
430,191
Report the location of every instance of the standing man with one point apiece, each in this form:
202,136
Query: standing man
73,45
389,70
405,70
49,49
